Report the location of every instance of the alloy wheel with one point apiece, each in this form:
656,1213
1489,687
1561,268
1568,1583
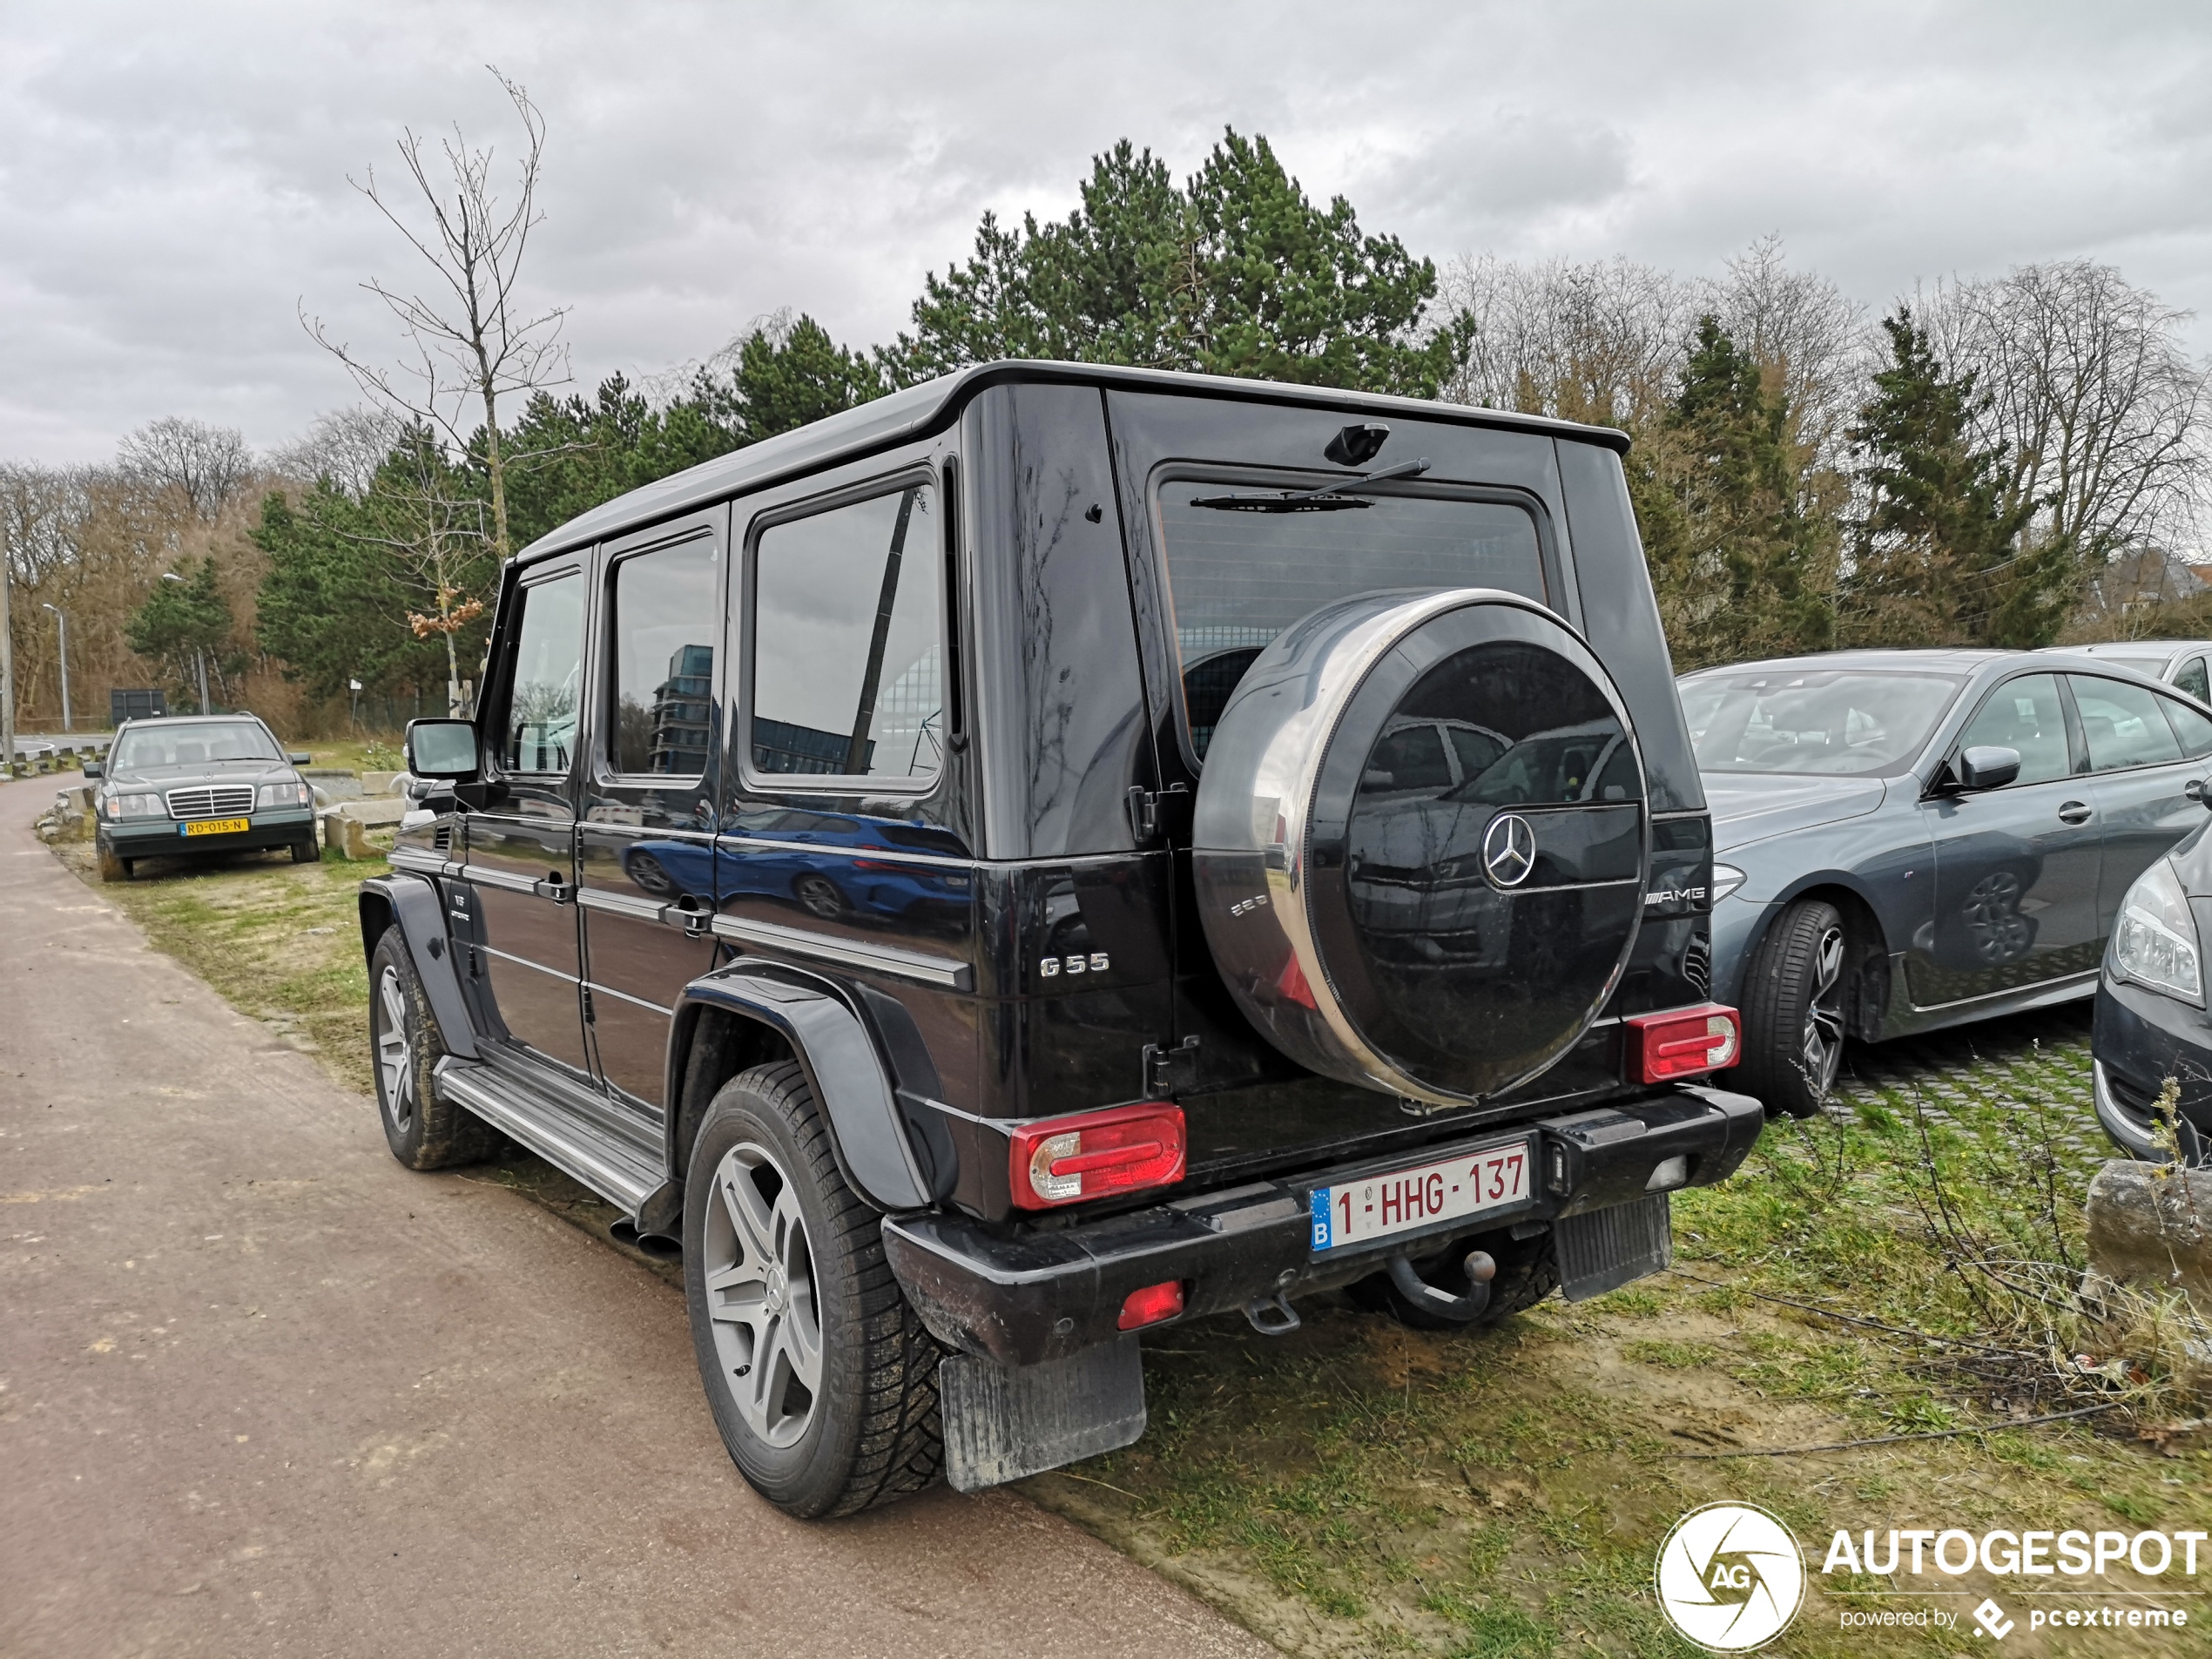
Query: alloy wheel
394,1050
760,1279
1824,1033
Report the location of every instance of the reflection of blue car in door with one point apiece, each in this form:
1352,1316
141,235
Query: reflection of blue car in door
816,860
1906,840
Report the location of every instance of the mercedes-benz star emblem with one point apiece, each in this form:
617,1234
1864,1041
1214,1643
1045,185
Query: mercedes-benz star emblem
1508,850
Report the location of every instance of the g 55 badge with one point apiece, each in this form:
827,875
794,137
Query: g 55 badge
1053,967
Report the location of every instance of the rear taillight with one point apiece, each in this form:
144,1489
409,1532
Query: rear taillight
1065,1160
1683,1043
1151,1305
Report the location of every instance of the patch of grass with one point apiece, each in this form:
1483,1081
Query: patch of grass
1672,1355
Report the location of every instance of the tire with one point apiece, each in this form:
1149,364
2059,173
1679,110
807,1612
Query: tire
1526,1274
1793,1010
780,1257
306,852
404,1048
112,867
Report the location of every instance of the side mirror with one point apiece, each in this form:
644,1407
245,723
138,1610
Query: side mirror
93,769
301,759
1987,767
441,748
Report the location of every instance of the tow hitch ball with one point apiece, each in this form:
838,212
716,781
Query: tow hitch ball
1479,1270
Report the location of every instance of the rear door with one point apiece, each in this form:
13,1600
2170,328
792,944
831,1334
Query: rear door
2017,869
522,847
645,843
2147,762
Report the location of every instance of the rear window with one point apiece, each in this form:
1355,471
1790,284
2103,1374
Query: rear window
1236,578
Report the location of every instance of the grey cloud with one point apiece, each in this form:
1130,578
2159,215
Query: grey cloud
173,182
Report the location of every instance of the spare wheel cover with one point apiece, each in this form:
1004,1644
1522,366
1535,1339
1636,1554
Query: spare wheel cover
1420,842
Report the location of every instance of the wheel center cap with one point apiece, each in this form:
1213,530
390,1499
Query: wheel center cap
779,1289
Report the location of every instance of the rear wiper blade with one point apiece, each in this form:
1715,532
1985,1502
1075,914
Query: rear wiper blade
1329,498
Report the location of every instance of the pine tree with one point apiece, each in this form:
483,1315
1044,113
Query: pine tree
1939,558
1736,518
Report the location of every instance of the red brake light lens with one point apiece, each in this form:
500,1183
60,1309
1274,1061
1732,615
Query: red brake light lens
1683,1042
1123,1149
1151,1305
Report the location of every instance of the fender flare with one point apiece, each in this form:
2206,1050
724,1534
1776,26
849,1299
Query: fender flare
840,1056
413,904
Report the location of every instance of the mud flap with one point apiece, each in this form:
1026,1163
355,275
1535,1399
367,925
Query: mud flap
1606,1249
1004,1423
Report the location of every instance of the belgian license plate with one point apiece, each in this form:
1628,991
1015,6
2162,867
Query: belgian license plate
1376,1206
215,826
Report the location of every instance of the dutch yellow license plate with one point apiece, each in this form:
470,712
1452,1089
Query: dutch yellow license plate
215,826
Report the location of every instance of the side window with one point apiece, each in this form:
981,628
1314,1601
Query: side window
544,700
2123,724
661,665
2192,679
2192,728
1410,758
847,653
2025,714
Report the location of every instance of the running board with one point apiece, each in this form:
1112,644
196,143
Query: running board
620,1173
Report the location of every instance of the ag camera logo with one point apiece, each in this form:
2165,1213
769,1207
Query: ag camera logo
1731,1577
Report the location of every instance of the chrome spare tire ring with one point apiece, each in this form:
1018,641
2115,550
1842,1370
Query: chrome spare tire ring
760,1295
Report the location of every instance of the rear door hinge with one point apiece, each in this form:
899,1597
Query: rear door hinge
1149,808
1172,1071
591,1016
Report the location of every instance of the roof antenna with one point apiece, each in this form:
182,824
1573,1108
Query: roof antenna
1357,445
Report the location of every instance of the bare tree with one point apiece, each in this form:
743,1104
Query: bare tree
473,341
2104,413
211,464
1598,341
1811,338
346,446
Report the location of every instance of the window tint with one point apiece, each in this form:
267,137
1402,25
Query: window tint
2192,728
2123,724
2024,714
847,662
1237,577
542,701
2193,680
662,675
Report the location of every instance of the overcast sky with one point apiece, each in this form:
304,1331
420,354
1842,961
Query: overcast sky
173,179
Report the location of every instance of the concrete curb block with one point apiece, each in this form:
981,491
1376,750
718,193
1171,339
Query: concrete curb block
2151,1226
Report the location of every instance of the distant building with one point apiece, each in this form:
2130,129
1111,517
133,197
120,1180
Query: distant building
683,714
2137,580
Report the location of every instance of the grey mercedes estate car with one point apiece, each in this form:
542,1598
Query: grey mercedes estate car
1906,840
189,785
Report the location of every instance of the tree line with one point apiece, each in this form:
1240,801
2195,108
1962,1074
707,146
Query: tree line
2004,461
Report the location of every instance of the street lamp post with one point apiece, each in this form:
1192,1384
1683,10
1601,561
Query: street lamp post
61,627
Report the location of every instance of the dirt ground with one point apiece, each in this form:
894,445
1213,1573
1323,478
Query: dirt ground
1357,1487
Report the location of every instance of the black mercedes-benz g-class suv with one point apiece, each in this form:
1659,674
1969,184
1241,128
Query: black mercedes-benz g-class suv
1058,851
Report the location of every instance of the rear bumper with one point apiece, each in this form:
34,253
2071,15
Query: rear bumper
1022,1295
164,839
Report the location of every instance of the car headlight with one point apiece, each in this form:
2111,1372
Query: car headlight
2155,943
134,806
1726,879
284,795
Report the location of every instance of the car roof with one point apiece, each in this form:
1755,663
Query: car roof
194,719
1941,659
2161,649
920,410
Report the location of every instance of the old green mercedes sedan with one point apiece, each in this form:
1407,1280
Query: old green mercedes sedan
191,784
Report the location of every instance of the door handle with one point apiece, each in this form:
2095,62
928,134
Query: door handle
2073,812
556,887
